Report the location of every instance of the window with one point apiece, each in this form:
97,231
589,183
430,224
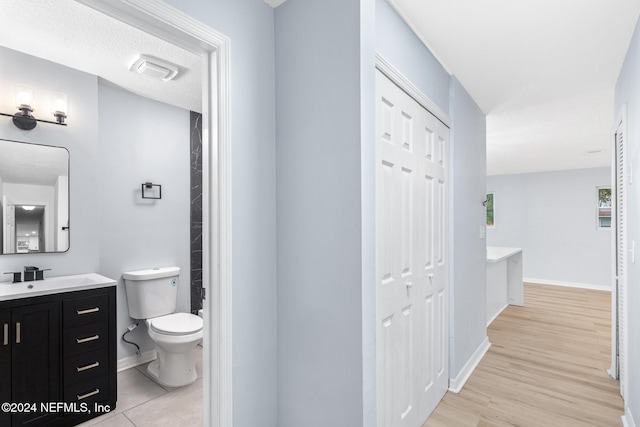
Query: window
489,204
604,207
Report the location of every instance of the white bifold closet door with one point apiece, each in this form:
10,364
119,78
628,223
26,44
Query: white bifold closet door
411,258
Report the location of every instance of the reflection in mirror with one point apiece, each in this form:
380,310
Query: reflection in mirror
34,190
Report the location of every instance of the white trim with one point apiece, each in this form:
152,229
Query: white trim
164,21
627,418
456,384
136,360
567,284
405,84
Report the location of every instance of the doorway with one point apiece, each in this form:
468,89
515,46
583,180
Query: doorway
30,228
161,20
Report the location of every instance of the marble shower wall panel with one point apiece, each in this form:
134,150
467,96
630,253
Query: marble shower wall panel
196,211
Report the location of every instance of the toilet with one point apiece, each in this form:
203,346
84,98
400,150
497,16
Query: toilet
152,296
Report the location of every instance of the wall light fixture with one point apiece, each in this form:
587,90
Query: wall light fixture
24,98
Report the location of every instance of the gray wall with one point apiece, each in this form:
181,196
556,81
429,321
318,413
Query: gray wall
249,24
80,138
628,92
151,145
468,285
320,354
552,217
399,45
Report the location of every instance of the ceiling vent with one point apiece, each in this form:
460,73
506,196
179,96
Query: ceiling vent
154,67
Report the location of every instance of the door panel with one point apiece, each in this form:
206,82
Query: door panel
411,270
36,355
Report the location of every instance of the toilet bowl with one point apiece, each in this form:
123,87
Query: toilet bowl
152,296
175,336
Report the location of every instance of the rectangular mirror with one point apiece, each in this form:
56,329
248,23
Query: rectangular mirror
34,190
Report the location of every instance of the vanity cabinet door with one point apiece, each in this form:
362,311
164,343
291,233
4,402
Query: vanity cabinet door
5,363
35,359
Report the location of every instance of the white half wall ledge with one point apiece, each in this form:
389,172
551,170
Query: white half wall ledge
456,384
566,284
274,3
627,418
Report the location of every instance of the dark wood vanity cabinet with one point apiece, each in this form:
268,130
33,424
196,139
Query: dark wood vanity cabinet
58,358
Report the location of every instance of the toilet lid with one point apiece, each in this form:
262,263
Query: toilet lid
176,324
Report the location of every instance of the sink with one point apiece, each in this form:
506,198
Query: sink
53,285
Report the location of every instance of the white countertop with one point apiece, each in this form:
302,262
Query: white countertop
53,285
498,253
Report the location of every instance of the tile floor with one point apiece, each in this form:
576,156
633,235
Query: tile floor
142,402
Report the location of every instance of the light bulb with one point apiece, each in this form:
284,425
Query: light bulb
60,107
24,97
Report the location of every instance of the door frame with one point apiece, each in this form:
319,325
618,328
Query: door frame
166,22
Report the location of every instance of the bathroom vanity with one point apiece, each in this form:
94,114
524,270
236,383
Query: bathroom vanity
57,350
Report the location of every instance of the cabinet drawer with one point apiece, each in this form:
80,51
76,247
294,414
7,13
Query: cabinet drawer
85,310
85,366
85,338
93,390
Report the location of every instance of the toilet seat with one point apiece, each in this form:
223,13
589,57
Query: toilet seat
176,324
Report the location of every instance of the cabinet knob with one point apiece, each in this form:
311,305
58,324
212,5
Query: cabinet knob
5,340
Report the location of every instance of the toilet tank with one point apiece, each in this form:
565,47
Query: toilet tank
153,292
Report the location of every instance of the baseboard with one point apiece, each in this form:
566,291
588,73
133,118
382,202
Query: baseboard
496,315
567,284
627,419
135,360
456,384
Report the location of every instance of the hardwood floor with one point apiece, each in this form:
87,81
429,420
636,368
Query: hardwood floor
547,366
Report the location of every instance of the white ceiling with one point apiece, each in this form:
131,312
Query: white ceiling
75,35
543,71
